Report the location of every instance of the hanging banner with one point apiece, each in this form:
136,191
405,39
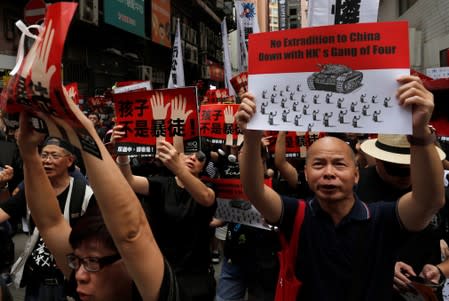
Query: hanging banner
327,12
176,78
150,116
339,78
246,19
227,58
160,22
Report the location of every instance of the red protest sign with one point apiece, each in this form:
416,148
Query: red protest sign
72,91
230,188
240,82
218,124
37,85
148,116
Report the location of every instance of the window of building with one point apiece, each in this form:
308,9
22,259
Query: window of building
404,5
293,11
444,58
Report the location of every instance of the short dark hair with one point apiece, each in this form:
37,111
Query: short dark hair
91,227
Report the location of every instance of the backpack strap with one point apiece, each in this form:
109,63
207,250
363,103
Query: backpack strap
79,199
294,239
292,246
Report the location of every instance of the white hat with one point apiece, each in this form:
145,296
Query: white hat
391,148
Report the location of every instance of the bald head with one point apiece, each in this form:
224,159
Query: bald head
330,143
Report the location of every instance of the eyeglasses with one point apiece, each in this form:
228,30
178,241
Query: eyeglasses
52,156
91,264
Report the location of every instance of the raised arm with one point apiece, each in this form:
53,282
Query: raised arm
417,208
174,161
287,171
41,197
124,218
265,199
138,184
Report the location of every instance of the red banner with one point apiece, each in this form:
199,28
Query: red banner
361,46
148,116
230,188
296,143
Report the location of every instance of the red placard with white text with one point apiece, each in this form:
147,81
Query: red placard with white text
218,124
339,78
165,114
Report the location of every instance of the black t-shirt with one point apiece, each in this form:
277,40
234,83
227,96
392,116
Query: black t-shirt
422,247
180,224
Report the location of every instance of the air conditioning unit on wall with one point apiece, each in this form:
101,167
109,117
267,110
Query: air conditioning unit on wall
145,72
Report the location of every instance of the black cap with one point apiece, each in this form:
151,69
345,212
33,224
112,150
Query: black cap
59,142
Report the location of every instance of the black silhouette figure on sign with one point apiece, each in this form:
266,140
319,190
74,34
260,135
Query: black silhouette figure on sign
310,127
298,87
303,98
387,102
263,107
275,87
285,114
376,116
292,94
353,106
264,94
354,121
283,101
296,120
326,118
362,98
373,99
304,109
340,103
365,110
314,115
273,98
328,98
315,99
271,117
341,116
287,88
294,106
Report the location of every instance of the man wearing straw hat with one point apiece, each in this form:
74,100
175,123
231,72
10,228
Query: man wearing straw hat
388,180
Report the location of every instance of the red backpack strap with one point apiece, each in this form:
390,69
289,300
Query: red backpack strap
294,239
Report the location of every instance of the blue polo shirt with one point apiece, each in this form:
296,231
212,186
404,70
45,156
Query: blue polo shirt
327,252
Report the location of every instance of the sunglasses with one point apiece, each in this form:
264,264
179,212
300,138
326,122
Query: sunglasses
200,156
397,170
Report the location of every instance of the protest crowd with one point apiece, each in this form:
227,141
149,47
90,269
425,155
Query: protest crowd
145,194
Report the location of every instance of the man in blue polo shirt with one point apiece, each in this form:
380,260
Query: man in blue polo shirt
339,230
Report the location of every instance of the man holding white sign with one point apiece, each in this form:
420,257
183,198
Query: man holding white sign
339,230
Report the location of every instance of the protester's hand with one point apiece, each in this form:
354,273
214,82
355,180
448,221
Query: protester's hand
41,74
401,273
178,109
28,139
117,133
413,93
246,110
6,174
169,156
266,141
157,106
430,272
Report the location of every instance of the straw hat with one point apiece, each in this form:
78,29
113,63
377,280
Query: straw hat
391,148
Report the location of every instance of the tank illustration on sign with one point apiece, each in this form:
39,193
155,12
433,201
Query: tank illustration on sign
335,78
